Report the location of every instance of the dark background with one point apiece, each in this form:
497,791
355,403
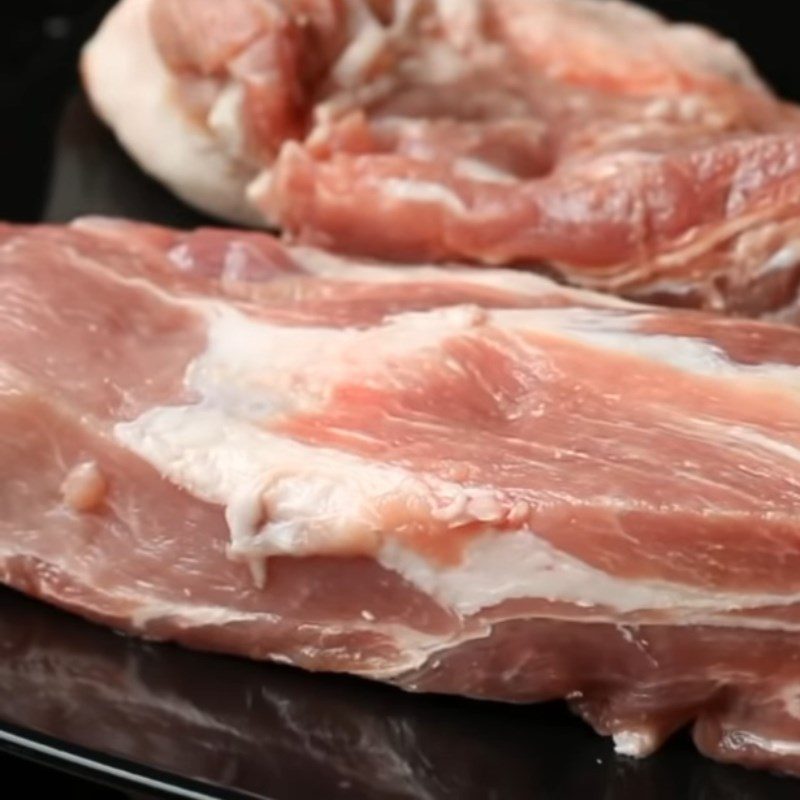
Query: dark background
39,40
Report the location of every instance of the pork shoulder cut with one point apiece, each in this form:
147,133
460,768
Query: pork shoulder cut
467,481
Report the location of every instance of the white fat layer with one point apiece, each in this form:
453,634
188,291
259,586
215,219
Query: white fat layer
285,497
258,363
423,192
478,170
188,614
502,566
252,369
134,93
610,330
255,369
192,614
512,281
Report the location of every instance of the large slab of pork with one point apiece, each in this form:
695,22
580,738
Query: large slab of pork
466,481
591,140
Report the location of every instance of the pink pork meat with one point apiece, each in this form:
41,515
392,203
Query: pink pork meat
464,481
589,140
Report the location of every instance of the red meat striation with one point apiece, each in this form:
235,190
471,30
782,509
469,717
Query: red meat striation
476,482
590,140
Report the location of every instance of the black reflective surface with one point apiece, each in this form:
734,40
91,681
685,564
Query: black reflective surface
174,723
209,726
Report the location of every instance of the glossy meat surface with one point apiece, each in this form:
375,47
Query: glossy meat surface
473,482
592,141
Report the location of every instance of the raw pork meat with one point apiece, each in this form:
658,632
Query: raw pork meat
592,141
466,481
